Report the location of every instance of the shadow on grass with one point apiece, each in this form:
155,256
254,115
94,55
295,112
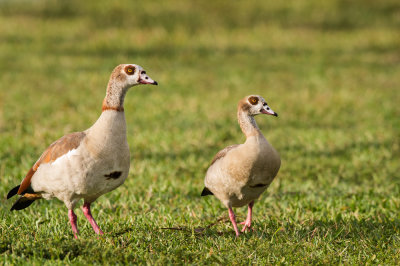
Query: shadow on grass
122,232
198,230
371,230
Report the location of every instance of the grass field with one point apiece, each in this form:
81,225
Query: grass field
331,69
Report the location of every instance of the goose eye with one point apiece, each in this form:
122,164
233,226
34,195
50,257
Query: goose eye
130,70
253,100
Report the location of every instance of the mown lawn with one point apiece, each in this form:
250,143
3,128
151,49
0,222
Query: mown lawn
331,69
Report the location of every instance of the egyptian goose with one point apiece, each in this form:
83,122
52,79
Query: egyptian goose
86,164
239,174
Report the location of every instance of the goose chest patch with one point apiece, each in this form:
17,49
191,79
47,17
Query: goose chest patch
113,175
259,185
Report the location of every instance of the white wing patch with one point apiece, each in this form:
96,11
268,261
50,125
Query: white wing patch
66,156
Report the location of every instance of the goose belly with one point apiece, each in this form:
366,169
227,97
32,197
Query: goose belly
77,174
247,194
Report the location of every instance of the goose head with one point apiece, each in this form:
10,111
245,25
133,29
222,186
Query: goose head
122,78
254,105
128,75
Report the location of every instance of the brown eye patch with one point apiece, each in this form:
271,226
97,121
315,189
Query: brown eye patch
253,100
130,70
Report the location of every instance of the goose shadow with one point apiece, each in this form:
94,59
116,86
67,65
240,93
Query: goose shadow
371,229
123,231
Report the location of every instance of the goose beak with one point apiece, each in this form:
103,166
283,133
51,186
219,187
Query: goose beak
144,79
268,111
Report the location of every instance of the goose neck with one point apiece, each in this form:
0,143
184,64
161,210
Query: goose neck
115,96
248,124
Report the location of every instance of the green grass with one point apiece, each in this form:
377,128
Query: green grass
331,69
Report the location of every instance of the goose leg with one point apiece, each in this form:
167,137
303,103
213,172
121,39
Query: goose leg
247,223
233,220
72,220
88,215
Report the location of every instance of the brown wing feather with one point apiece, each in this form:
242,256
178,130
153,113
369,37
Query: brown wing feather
55,150
222,153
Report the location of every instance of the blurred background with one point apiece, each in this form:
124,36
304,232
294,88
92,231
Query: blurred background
331,69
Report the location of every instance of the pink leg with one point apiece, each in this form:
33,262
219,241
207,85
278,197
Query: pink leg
88,214
233,220
72,220
247,223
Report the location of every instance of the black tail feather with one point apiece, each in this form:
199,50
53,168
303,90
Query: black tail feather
22,203
206,192
13,192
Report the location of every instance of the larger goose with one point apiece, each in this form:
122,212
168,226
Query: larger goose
240,173
86,164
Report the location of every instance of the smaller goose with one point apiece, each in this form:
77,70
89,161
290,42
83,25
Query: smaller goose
239,174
